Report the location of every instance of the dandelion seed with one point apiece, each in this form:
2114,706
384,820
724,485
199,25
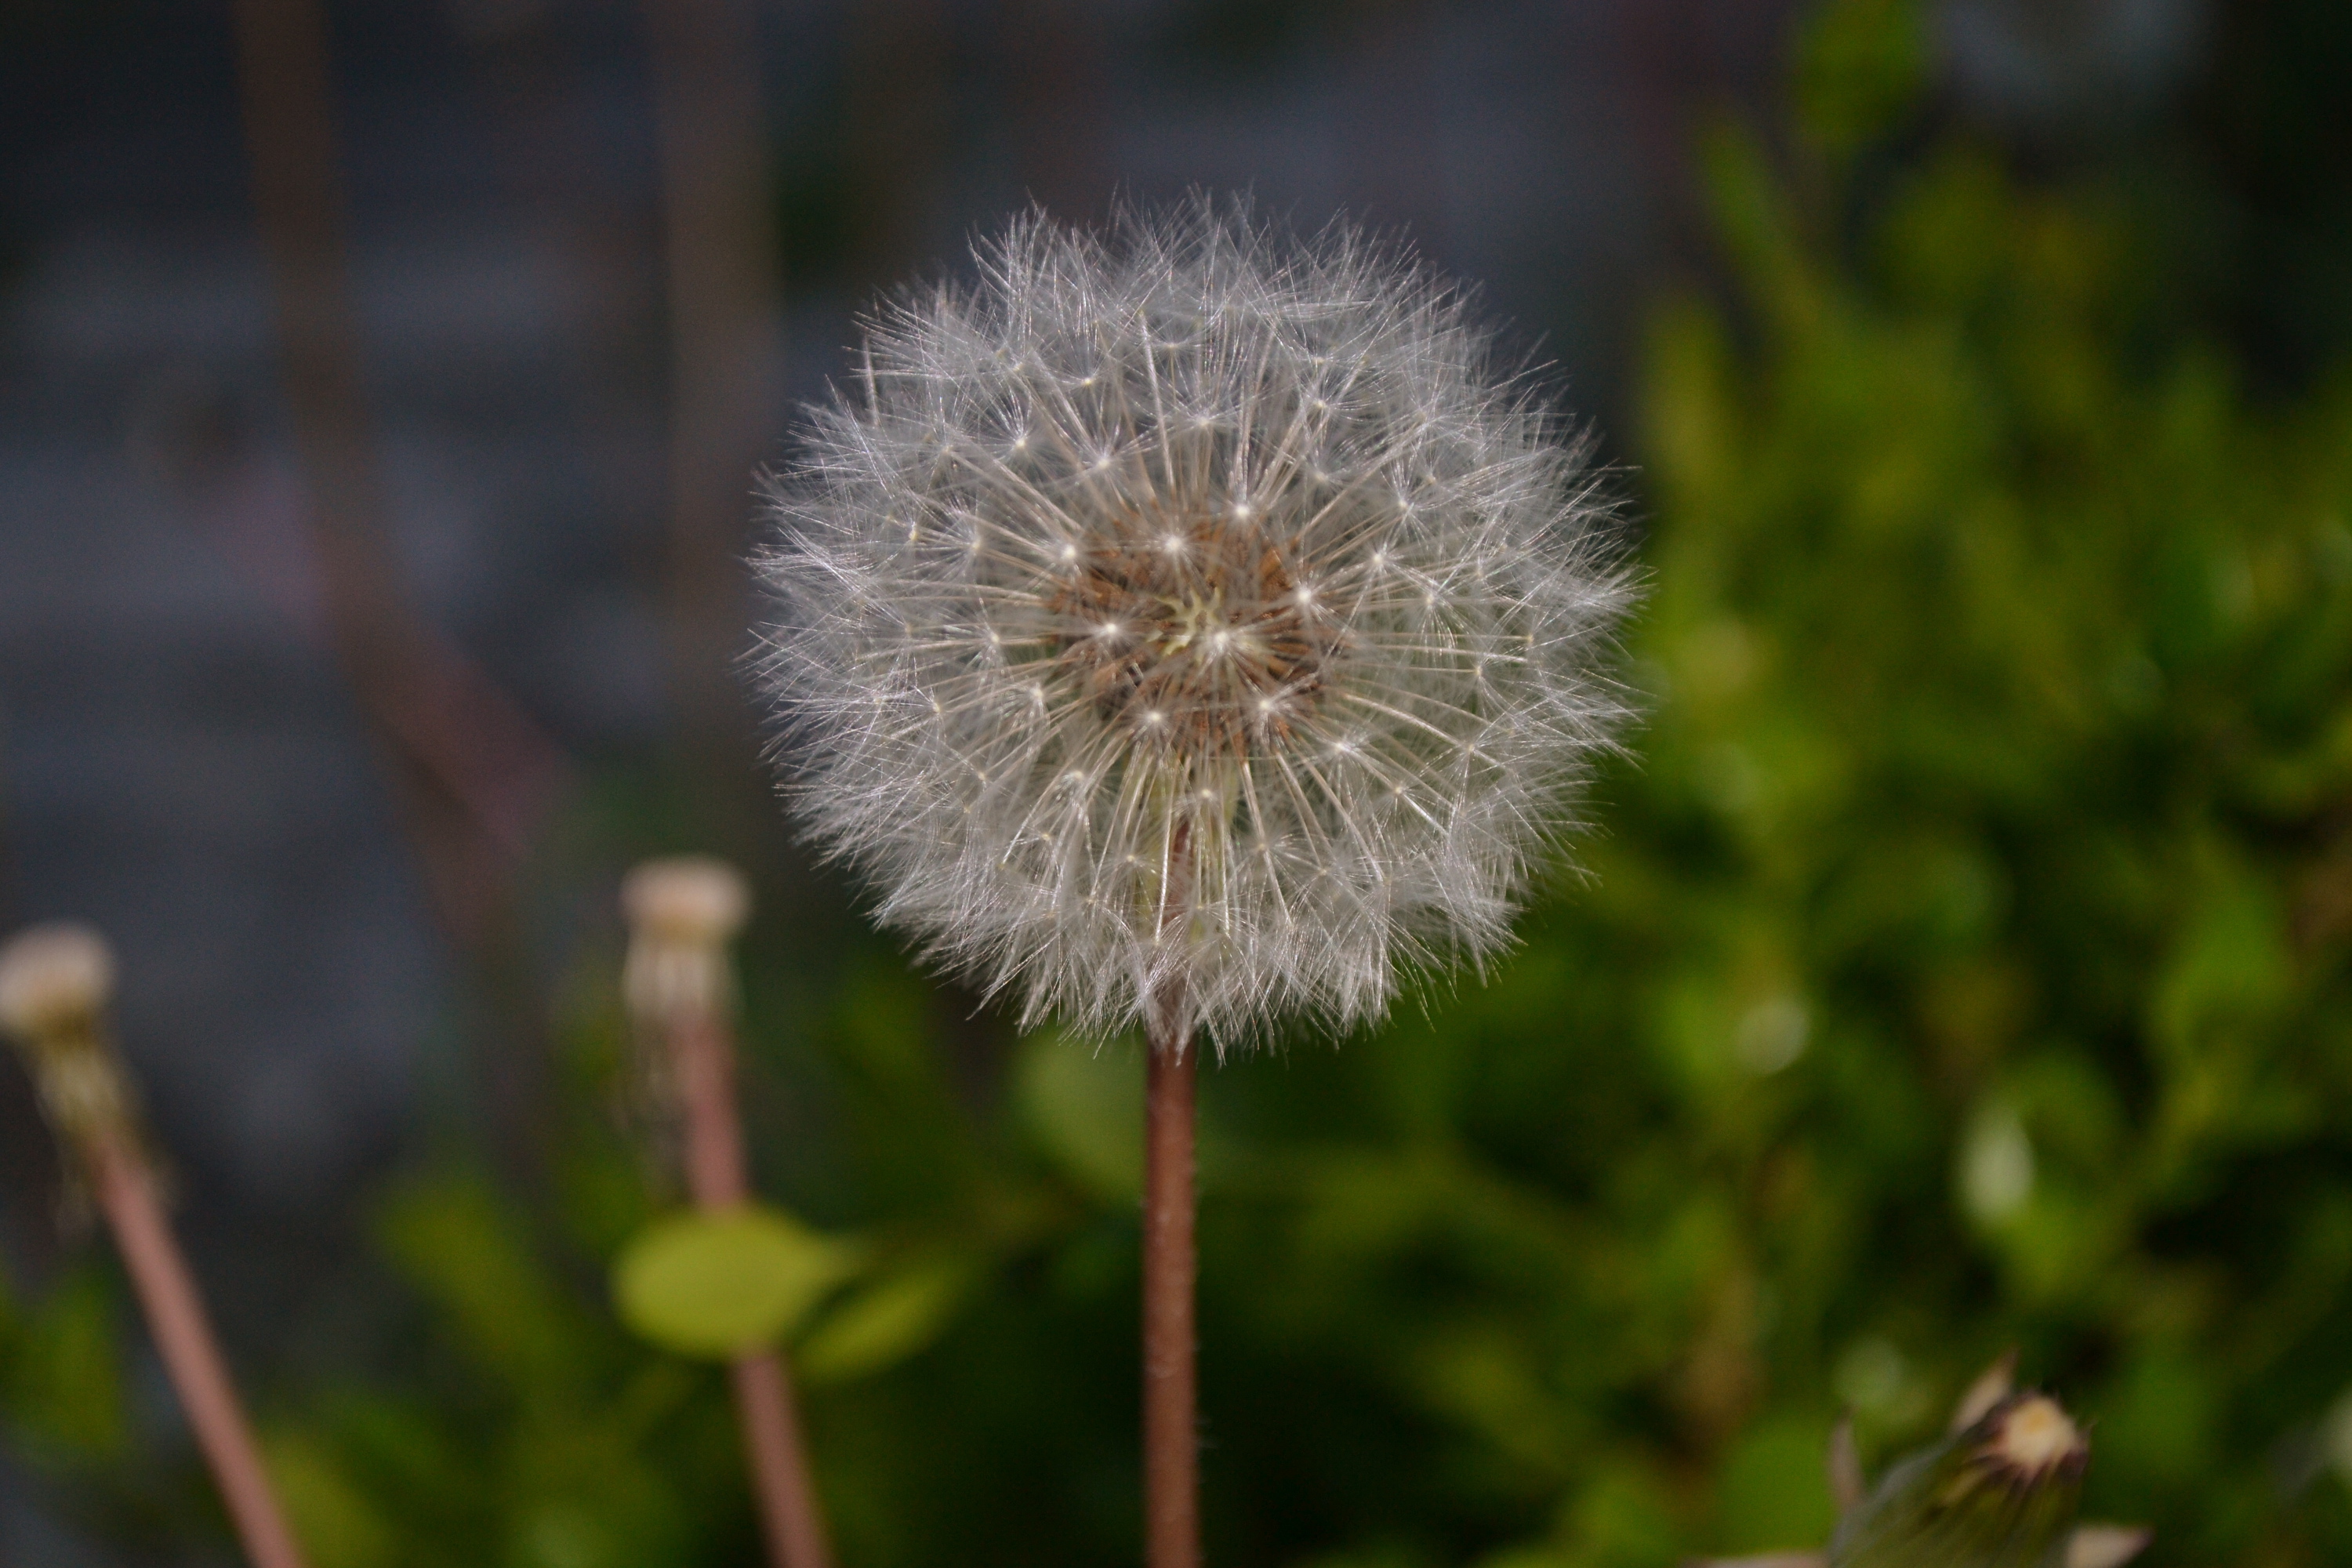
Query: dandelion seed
1278,765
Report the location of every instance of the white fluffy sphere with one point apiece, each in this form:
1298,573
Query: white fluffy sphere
1190,624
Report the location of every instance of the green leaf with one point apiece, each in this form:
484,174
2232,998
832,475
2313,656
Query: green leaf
1859,66
897,1316
64,1388
1623,1517
720,1284
1084,1110
2228,966
1771,1496
455,1239
339,1525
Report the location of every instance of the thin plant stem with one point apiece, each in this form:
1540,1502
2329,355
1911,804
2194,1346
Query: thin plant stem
1172,1460
702,1058
175,1316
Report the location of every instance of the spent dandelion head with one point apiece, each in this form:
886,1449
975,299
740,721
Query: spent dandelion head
1998,1492
682,912
1189,624
57,982
678,980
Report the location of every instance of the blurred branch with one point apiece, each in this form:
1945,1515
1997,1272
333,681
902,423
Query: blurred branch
473,773
719,252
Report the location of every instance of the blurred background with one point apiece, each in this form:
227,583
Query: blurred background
1962,964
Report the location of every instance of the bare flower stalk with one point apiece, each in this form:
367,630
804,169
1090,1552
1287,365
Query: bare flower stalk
680,987
1171,1445
1172,1450
55,985
1189,627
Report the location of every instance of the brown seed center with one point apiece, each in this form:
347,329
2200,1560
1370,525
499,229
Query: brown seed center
1192,633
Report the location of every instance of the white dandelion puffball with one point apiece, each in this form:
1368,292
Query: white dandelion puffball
1190,624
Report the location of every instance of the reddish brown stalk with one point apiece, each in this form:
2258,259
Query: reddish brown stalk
702,1057
1172,1461
183,1337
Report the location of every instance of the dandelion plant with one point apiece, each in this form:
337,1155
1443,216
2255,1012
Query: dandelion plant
56,985
1191,626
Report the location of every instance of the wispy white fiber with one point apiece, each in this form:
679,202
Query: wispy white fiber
1189,624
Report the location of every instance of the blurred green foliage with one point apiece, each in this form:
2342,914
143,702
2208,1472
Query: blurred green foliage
1962,963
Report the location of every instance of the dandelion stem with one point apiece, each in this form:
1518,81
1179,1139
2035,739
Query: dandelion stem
1171,1462
175,1316
703,1059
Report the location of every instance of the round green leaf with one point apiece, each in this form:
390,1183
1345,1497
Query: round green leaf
720,1284
883,1323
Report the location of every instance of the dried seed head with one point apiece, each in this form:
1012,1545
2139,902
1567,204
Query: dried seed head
1999,1493
2031,1438
686,898
1189,624
54,978
56,981
682,912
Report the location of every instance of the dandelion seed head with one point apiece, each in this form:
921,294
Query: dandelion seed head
1267,668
